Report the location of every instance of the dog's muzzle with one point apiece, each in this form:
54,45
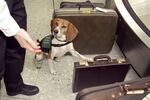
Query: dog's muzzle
55,32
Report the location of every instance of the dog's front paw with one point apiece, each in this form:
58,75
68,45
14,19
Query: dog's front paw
37,61
52,71
38,57
90,60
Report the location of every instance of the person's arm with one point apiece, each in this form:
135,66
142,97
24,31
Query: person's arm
7,24
10,28
26,42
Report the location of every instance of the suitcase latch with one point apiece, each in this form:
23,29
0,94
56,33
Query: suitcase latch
137,89
83,62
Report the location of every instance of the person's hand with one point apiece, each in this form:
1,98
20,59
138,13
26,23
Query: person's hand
26,42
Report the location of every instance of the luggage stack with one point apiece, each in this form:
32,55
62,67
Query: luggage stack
97,26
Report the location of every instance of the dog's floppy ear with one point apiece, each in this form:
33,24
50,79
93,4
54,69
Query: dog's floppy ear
53,23
71,32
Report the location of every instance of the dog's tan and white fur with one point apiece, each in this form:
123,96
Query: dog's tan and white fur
63,31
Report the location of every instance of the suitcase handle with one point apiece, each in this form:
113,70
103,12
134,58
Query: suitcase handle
86,4
102,58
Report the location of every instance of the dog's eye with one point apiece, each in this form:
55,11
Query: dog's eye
64,27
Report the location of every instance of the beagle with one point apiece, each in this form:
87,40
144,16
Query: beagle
63,32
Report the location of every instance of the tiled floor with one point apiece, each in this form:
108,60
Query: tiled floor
52,87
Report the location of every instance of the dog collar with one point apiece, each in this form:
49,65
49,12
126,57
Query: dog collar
46,43
59,45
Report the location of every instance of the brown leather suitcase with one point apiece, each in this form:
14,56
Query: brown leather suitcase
103,70
96,29
129,90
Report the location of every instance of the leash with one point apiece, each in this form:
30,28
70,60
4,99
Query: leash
37,63
53,4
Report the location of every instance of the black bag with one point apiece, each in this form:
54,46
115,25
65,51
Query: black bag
46,43
131,90
103,70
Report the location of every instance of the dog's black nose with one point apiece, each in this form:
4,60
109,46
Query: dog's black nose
55,31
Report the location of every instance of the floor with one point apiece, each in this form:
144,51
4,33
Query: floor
52,87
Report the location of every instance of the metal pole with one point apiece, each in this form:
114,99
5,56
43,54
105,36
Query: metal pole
53,4
107,3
